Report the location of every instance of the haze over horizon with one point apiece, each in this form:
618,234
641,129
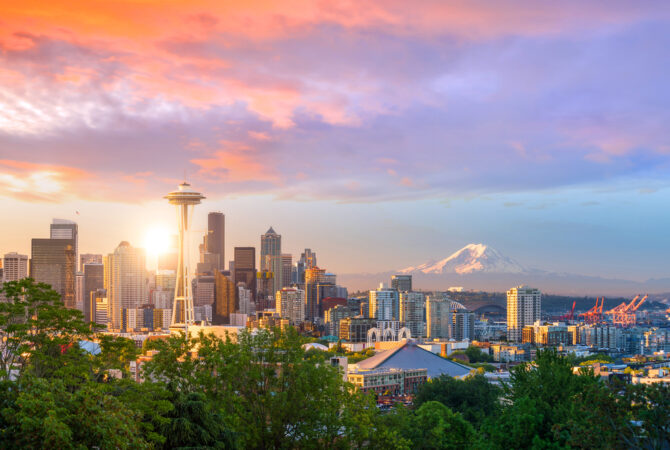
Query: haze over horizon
381,141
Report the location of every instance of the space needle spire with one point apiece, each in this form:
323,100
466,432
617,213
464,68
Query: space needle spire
185,199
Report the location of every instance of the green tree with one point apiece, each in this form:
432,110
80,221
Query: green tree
35,327
475,398
437,427
550,405
265,389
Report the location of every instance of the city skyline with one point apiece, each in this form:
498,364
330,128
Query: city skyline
402,139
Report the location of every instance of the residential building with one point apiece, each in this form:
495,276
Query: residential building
384,304
412,305
355,329
125,281
15,267
291,304
462,324
334,315
523,308
401,283
438,316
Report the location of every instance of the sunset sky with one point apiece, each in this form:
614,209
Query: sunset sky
378,134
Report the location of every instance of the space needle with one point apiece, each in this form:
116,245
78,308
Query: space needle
185,199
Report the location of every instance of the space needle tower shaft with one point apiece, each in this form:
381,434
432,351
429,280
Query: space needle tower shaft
185,199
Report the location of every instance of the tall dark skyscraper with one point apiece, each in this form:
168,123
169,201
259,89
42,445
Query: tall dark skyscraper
215,242
245,268
53,261
67,229
94,280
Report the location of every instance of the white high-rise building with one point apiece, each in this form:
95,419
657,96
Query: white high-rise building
291,304
384,304
411,312
523,308
15,267
438,317
125,281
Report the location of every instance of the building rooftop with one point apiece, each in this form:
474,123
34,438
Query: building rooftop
408,355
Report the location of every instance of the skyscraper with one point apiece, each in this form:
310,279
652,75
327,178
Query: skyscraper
401,283
216,238
411,312
523,308
384,304
125,281
271,258
225,300
53,262
245,268
89,258
308,257
94,280
15,267
313,277
286,269
67,229
438,317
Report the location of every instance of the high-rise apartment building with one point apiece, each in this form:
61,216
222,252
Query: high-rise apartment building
245,268
384,304
15,267
401,283
462,324
225,302
271,258
411,312
286,269
66,229
291,304
438,317
125,281
216,238
94,280
523,308
53,262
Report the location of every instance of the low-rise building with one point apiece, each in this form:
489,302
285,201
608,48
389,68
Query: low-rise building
389,381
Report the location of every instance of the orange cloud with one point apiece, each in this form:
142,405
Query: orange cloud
38,182
236,163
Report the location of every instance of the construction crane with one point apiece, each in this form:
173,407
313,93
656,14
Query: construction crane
595,314
569,316
624,314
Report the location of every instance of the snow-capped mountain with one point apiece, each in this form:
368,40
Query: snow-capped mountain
473,258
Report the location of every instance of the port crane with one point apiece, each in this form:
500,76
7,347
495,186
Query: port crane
569,316
595,314
624,314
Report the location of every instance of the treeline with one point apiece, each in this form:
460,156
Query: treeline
265,391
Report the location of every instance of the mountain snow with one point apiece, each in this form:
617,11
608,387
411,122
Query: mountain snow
470,259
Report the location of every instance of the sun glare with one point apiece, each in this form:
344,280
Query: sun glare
157,241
